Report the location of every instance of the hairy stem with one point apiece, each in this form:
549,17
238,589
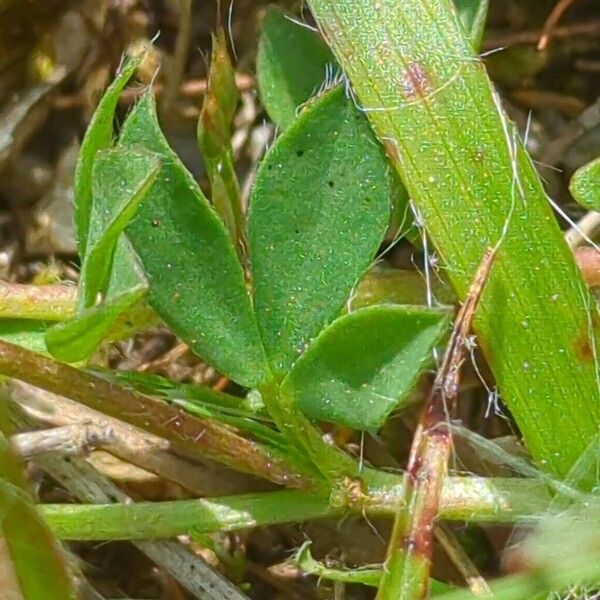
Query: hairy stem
462,499
408,561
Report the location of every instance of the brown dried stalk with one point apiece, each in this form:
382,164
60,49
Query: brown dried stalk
183,431
130,444
69,440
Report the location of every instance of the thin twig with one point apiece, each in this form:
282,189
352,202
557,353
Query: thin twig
410,549
588,226
588,28
191,89
557,12
174,74
461,560
70,440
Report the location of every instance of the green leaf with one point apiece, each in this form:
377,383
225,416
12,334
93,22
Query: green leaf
99,136
585,185
290,66
78,338
37,560
196,282
121,180
365,363
293,65
214,139
318,213
123,312
28,333
473,17
383,284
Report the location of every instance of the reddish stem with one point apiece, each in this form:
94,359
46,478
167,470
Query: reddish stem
408,563
182,430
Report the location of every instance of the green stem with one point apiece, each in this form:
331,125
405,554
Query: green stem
334,465
41,302
432,105
365,576
463,499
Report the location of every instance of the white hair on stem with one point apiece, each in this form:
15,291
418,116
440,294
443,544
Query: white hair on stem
230,30
590,305
301,23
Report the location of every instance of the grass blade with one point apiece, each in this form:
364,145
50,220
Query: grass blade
430,101
37,560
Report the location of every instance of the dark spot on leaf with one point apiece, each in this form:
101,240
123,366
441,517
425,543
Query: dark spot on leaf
414,81
391,149
299,152
330,183
584,348
269,167
155,222
129,323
